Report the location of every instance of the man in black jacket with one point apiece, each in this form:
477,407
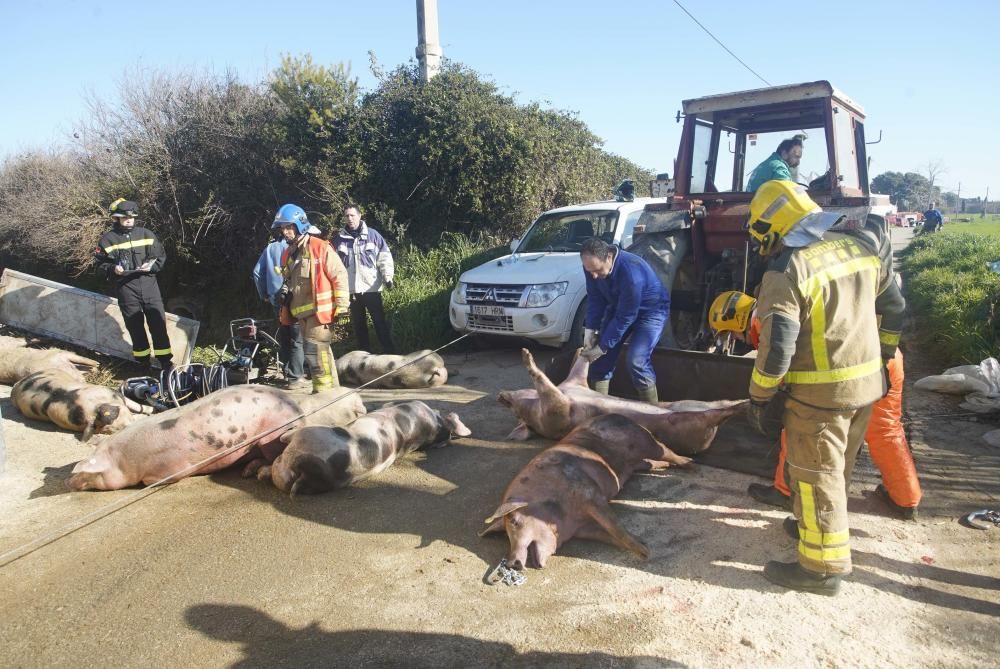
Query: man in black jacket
130,257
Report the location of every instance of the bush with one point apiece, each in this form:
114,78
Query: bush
953,295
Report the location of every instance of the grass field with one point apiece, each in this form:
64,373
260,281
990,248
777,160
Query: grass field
990,225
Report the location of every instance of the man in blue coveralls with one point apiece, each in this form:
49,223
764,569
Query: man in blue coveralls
625,300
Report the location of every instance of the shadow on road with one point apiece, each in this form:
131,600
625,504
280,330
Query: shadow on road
266,642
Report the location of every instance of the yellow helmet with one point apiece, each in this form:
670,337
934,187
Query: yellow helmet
775,208
731,311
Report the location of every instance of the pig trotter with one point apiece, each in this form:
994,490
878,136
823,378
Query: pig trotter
616,534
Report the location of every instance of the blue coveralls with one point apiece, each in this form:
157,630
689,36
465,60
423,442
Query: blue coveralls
630,303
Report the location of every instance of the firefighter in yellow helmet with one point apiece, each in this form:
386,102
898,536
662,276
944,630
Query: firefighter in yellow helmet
734,312
823,347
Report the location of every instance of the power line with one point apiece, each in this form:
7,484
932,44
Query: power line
721,44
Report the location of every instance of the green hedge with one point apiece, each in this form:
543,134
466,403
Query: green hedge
953,295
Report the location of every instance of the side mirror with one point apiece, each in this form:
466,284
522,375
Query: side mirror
513,243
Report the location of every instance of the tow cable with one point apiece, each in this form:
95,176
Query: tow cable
504,574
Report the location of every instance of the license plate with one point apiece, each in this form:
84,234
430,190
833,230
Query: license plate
487,310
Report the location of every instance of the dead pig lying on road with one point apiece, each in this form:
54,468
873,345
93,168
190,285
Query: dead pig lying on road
687,427
320,459
563,491
359,367
168,443
17,363
59,397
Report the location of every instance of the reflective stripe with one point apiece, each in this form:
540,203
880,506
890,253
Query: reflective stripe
301,309
808,500
835,375
129,245
888,338
162,351
811,285
324,295
825,554
824,538
763,380
140,354
821,357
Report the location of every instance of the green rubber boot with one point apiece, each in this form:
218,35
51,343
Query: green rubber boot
649,395
602,387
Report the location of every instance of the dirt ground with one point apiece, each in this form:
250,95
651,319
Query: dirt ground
217,571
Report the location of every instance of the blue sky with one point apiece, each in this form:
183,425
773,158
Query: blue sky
924,71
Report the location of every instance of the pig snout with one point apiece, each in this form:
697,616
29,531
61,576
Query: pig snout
531,542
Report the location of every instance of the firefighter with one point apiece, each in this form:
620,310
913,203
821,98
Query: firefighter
733,312
314,292
823,348
131,257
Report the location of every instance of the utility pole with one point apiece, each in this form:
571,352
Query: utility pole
986,202
428,43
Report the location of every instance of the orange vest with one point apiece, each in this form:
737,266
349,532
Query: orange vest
322,304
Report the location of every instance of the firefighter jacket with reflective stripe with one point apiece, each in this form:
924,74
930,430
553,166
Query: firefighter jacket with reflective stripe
367,258
819,306
317,279
131,249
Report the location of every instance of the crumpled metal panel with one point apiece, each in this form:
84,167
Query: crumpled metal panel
80,317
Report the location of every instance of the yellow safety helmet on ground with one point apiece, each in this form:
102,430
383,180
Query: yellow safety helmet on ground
775,208
731,311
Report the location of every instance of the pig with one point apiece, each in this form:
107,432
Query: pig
58,396
330,408
360,367
174,444
687,427
320,459
17,363
563,491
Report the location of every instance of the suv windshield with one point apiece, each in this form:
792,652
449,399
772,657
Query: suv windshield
566,231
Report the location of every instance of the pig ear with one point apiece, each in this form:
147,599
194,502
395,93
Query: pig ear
456,426
504,509
495,526
520,433
93,464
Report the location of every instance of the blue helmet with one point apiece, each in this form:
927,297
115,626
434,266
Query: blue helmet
291,214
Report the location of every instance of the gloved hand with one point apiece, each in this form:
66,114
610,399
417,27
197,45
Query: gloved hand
284,294
592,353
342,318
590,338
765,417
388,285
886,379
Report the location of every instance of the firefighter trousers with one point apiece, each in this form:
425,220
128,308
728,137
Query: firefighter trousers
318,355
141,305
822,447
886,442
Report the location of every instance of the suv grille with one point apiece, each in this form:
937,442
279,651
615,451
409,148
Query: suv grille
508,296
491,323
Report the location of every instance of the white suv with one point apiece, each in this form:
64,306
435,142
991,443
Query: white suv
539,290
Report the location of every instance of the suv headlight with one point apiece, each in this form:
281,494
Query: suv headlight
542,294
459,293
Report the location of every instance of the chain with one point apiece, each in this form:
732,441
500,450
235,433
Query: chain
504,574
979,519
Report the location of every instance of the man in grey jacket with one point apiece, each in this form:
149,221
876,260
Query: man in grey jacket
369,269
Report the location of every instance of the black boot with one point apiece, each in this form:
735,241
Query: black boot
792,575
791,527
904,512
768,494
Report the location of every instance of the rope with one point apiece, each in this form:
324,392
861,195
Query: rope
87,519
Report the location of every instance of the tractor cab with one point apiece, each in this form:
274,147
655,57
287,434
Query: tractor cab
696,240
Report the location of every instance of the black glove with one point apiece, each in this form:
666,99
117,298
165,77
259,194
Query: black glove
284,294
388,285
886,379
341,318
766,417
